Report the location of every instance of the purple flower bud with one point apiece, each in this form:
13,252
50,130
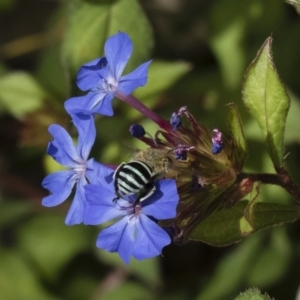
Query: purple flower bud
217,137
182,111
175,121
181,152
137,130
217,141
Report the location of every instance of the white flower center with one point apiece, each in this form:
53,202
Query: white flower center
111,84
80,169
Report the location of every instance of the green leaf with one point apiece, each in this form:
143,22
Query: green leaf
17,279
20,93
229,226
239,147
222,227
246,222
252,294
90,24
245,227
226,45
271,214
50,72
51,244
267,100
277,247
239,260
162,75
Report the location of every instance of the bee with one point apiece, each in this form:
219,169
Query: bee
139,175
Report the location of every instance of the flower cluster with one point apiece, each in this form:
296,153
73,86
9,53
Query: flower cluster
164,191
136,231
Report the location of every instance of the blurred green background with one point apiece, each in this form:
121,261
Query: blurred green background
201,50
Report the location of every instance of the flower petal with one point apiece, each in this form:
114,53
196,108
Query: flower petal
103,105
135,79
118,237
94,102
60,185
101,207
86,133
91,73
150,239
81,103
162,204
76,212
62,148
100,174
118,49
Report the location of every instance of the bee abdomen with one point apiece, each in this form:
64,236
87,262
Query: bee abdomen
132,177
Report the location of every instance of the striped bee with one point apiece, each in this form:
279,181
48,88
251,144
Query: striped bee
138,176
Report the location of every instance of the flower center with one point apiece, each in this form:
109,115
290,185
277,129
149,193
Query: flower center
80,169
137,209
110,84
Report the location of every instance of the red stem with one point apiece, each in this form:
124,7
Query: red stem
139,106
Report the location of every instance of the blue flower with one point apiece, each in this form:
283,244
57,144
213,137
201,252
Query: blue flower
135,233
102,77
79,168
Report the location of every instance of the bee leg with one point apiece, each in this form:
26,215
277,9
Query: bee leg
149,190
116,199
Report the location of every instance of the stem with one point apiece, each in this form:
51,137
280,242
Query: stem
282,179
139,106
